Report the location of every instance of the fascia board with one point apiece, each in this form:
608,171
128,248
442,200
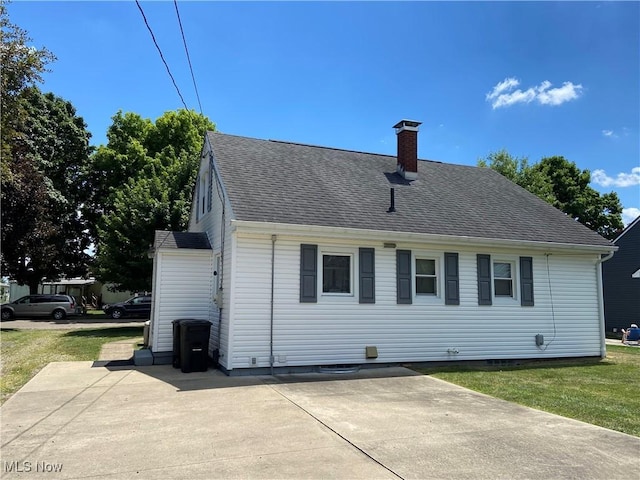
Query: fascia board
391,236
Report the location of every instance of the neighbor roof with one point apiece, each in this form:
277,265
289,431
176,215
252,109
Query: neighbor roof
282,182
192,240
627,229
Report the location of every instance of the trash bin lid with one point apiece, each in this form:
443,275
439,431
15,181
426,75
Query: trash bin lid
180,320
193,321
192,325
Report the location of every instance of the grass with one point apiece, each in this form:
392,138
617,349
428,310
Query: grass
26,352
600,392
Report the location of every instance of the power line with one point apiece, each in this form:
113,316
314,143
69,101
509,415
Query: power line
184,41
161,56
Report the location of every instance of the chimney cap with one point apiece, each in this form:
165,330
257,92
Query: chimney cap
407,125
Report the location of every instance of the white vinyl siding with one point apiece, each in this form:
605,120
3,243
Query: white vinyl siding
210,222
216,222
182,289
333,331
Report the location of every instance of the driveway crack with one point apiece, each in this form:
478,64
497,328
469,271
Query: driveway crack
336,432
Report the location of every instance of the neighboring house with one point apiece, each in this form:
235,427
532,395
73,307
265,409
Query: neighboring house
621,280
304,256
78,287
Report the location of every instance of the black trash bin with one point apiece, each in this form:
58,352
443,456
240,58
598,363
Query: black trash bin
194,345
176,342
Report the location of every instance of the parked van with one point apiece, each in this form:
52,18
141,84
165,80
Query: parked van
55,306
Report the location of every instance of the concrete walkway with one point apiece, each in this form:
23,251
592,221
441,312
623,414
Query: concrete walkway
156,422
122,350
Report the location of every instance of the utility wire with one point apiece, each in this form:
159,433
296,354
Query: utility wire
161,56
184,41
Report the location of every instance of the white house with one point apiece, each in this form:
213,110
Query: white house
304,256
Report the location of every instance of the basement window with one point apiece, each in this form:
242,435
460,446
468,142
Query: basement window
336,274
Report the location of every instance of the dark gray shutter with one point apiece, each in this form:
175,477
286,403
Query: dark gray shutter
451,279
367,275
403,276
308,273
484,279
526,281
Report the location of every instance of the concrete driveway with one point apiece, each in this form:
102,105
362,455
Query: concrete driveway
156,422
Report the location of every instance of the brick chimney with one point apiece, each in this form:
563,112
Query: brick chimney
407,132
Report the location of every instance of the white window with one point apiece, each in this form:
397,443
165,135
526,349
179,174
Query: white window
426,276
503,283
337,273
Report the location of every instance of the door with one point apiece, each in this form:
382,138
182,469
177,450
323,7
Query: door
140,306
24,307
41,306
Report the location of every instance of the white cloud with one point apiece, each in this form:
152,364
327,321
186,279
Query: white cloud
503,95
506,84
508,99
608,133
629,215
621,180
557,96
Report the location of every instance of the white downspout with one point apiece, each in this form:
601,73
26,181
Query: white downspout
273,255
599,262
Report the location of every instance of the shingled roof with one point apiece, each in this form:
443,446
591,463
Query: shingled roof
189,240
282,182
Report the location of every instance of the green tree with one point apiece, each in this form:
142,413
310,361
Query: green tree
573,195
562,184
142,181
45,149
22,66
43,233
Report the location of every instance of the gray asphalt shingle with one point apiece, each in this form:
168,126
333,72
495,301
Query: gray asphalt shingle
190,240
274,181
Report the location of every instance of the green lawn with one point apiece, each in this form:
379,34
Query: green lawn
600,392
25,352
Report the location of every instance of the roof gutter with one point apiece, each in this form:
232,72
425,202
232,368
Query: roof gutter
603,343
267,228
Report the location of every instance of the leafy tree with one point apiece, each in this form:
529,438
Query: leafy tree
25,224
142,181
22,65
573,195
43,234
562,184
45,148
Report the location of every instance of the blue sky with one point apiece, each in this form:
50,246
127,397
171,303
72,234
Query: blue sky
535,78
